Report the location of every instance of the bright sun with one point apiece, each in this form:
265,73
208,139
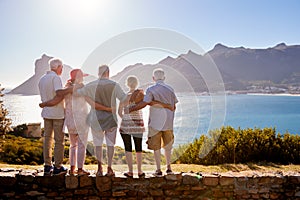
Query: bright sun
83,10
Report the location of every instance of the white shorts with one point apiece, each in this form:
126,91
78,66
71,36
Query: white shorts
110,137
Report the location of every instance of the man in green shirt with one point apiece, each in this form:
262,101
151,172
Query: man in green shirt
103,123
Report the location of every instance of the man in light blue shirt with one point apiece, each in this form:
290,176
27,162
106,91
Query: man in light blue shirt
160,119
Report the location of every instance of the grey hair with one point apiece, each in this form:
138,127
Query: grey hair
102,69
159,74
132,82
54,63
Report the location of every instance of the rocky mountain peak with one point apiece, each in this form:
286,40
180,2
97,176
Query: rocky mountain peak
281,46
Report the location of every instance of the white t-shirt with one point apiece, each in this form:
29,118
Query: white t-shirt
48,85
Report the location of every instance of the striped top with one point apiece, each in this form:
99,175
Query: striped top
132,123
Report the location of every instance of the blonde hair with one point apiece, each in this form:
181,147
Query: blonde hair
159,74
54,63
132,82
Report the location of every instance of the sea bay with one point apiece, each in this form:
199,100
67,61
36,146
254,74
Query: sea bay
194,113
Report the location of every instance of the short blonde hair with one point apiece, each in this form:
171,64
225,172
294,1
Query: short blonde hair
54,63
132,82
159,74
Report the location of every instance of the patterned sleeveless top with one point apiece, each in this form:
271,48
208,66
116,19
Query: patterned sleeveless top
133,123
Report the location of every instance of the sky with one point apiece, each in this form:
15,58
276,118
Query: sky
73,29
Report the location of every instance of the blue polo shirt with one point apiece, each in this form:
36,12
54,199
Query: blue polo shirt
161,118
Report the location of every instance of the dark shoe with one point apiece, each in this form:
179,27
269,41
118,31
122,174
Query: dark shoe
142,175
48,170
61,170
157,173
169,171
128,175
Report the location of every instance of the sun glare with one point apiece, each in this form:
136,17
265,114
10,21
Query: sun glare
81,11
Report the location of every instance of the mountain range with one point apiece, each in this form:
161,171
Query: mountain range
239,67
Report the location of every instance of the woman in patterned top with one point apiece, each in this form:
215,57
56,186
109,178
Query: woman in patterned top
132,125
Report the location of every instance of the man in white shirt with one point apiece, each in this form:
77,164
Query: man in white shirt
50,85
160,119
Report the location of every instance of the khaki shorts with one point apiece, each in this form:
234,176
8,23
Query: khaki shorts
158,139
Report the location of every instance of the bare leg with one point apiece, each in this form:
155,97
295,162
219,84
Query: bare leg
129,161
157,155
72,170
168,158
139,162
110,154
73,151
99,159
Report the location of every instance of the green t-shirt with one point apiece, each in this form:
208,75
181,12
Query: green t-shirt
105,92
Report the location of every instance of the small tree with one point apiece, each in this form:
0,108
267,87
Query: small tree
4,121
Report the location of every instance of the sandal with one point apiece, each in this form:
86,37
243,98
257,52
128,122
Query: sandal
127,174
110,172
142,175
82,172
157,173
72,172
99,173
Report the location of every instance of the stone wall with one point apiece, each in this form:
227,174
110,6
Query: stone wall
32,185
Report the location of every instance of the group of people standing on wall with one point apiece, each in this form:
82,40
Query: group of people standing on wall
68,106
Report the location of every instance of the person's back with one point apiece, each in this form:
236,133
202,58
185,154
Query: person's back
76,112
103,123
161,118
48,85
105,92
160,131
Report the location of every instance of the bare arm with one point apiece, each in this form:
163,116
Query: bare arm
60,94
98,106
52,102
139,106
120,109
69,89
159,104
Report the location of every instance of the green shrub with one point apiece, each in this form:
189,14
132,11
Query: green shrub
229,145
19,150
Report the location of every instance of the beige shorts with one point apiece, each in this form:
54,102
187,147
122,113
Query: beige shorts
158,139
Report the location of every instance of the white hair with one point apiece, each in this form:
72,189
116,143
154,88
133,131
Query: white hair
159,74
132,82
54,63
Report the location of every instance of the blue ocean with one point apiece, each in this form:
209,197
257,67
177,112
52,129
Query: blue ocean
281,112
196,114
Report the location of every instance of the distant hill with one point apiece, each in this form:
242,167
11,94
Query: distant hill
30,86
239,67
279,64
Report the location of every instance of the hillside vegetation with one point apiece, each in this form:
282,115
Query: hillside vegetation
229,145
225,145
